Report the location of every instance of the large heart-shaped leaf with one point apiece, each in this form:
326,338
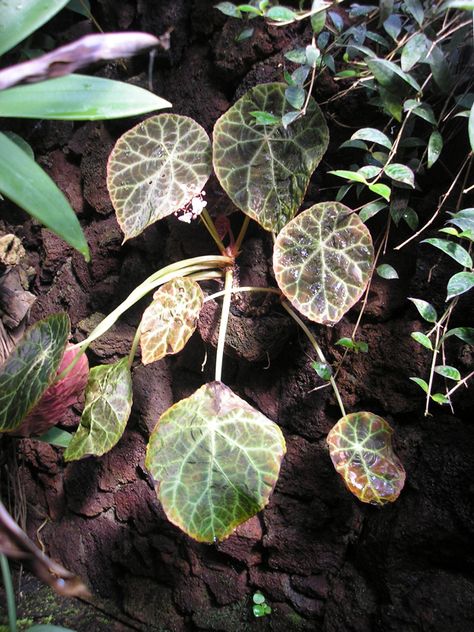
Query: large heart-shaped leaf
156,168
360,446
322,261
215,460
265,169
170,320
106,411
31,368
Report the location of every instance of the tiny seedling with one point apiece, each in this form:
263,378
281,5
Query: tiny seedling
260,608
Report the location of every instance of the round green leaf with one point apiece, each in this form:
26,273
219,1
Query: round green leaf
106,411
258,597
387,271
30,369
360,446
215,460
265,169
322,261
170,320
155,169
422,339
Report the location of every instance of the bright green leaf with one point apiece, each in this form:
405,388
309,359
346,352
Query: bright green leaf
360,447
387,271
156,168
449,372
349,175
215,460
435,147
280,14
56,436
421,383
381,189
460,283
78,98
318,21
249,8
265,118
228,8
20,19
21,143
439,398
323,370
400,173
422,339
322,261
425,309
265,171
30,369
106,411
26,184
454,250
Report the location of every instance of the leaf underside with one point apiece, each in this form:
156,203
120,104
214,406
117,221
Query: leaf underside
265,169
215,460
170,320
155,169
31,368
322,261
360,446
106,411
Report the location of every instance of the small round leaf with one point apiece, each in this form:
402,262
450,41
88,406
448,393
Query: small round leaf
170,320
360,446
322,261
215,460
265,169
155,169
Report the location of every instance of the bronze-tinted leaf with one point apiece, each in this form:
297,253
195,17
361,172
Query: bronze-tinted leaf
170,320
360,446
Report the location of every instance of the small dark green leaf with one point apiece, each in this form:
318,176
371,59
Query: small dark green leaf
347,343
386,72
435,147
228,8
30,369
369,171
415,8
457,252
371,209
460,283
318,21
422,339
83,7
421,383
265,118
414,51
466,334
386,271
323,369
372,135
400,173
442,74
349,175
337,20
295,96
425,309
463,219
106,411
391,99
354,144
297,55
300,75
280,14
289,117
439,398
393,26
449,372
343,191
411,218
244,35
46,627
423,110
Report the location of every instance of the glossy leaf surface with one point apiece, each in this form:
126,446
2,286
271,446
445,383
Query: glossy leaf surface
360,446
20,19
265,169
24,182
106,411
322,261
78,98
460,283
156,168
170,320
30,369
215,460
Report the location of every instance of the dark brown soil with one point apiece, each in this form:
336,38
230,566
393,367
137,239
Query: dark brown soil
323,560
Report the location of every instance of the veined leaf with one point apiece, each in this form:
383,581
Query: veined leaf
106,411
156,168
215,460
425,309
26,184
20,19
400,173
78,98
386,71
466,334
423,110
463,219
435,147
414,51
449,372
322,261
30,369
265,171
460,283
387,271
360,446
170,320
422,339
372,135
454,250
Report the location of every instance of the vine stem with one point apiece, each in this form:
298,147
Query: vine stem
181,268
460,383
318,350
244,288
229,277
134,347
9,592
432,368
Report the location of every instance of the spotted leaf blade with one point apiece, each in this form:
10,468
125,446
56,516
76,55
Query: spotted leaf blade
30,369
106,411
322,261
215,460
170,320
265,170
155,169
360,446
